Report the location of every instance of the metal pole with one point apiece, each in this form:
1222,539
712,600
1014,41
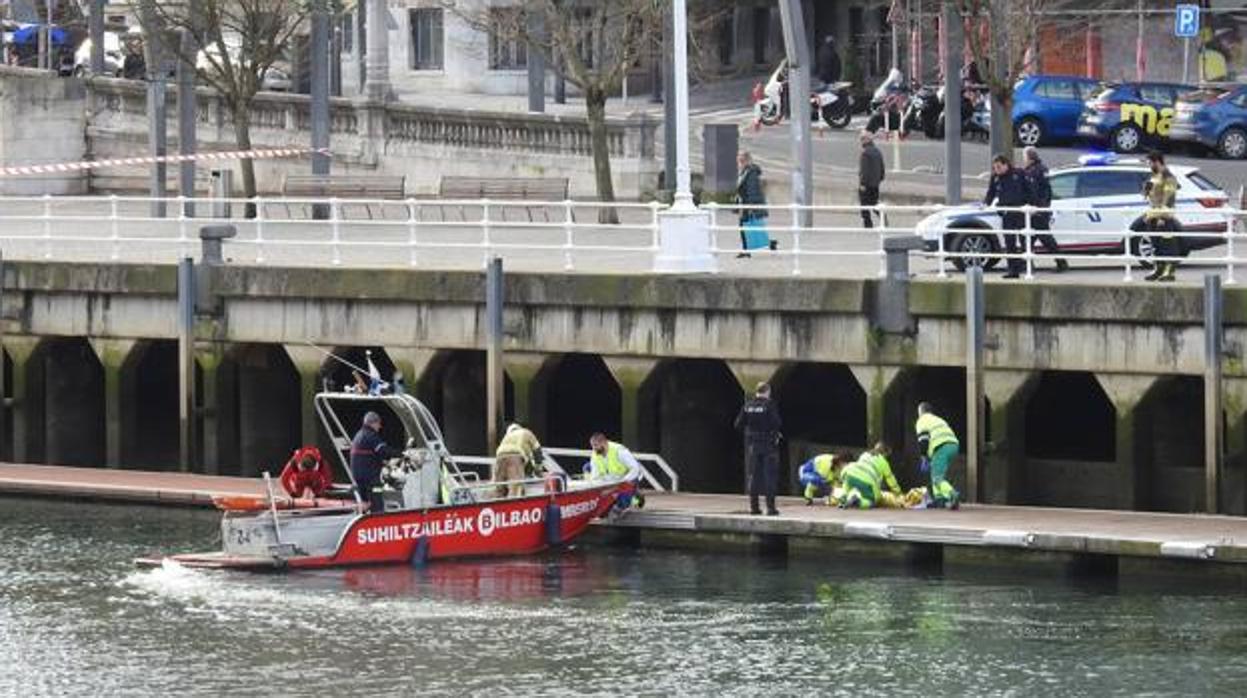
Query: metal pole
1214,436
186,362
975,426
798,50
4,390
495,380
157,137
45,33
1186,59
378,64
952,104
96,30
319,75
668,102
335,60
187,138
536,65
683,198
360,26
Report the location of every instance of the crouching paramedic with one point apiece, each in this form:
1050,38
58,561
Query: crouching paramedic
818,474
859,482
877,458
518,450
306,475
938,441
612,460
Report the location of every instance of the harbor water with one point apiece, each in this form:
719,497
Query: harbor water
78,619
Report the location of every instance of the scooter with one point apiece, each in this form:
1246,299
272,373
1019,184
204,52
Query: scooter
833,103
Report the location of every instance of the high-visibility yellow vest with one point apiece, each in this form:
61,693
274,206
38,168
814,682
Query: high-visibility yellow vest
608,465
937,430
824,466
883,469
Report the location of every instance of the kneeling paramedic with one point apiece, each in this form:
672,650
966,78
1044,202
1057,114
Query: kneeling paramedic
938,441
859,482
612,460
818,474
877,458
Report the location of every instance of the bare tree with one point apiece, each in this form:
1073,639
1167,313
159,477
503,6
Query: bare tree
1004,37
235,43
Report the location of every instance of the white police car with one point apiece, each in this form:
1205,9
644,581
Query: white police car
1091,202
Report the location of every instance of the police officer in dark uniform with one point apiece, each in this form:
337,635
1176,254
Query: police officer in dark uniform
368,454
759,419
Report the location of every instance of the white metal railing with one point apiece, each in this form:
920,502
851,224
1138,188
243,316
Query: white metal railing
669,473
569,235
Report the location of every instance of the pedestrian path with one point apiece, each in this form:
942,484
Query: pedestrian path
1218,539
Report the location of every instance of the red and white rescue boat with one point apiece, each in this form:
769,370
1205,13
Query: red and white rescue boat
434,509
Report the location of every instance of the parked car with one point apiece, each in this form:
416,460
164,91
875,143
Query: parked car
1130,115
114,56
1046,107
1102,194
1214,118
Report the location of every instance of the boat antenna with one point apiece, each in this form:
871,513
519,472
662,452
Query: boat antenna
337,358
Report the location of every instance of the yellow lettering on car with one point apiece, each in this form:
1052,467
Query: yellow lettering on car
1147,117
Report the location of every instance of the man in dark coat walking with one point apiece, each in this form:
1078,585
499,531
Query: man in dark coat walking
1037,176
760,421
870,173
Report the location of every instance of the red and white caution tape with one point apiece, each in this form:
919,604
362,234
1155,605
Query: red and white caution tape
217,156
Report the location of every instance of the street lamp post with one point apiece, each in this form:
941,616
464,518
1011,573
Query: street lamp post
683,199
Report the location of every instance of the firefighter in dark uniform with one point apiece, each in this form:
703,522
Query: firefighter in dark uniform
368,454
759,419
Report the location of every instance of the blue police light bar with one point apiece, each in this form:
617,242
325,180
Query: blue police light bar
1098,159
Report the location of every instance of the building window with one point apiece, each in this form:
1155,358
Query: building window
426,38
506,51
761,33
586,38
348,32
727,39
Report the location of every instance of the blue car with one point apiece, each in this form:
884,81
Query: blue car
1046,107
1130,115
1216,118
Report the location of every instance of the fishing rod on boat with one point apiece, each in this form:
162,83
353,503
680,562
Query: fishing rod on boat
372,372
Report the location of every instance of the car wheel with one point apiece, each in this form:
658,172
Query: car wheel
1233,144
1029,131
1126,138
980,243
1144,248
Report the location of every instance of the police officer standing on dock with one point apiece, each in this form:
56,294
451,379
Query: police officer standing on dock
759,418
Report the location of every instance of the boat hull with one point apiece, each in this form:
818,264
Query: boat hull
519,526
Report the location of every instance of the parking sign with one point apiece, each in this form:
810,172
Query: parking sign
1186,21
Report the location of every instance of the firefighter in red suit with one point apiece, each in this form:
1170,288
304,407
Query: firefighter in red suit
306,475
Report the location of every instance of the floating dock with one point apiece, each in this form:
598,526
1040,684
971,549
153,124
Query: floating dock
984,533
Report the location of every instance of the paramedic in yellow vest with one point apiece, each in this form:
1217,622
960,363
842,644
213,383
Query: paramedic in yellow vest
613,460
877,458
519,449
818,474
938,443
860,484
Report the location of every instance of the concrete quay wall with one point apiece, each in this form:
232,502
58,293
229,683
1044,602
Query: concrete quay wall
1094,391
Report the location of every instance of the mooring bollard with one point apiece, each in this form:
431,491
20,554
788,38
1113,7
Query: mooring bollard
212,237
892,297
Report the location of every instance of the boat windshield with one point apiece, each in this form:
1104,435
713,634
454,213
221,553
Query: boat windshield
407,423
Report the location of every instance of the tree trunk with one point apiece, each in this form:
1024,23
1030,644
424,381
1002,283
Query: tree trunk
595,106
242,134
1002,123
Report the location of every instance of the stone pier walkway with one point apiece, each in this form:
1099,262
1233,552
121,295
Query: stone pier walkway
1078,531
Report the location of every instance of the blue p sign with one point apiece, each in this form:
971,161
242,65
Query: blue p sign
1186,21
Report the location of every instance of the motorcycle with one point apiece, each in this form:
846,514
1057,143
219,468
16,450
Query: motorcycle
889,104
924,110
832,103
976,116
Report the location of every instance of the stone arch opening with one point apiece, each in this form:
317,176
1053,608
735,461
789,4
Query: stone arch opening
156,430
459,389
269,408
1170,424
582,398
73,386
1070,418
822,404
945,388
696,401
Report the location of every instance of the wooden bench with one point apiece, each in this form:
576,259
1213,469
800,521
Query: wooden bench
505,189
388,187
